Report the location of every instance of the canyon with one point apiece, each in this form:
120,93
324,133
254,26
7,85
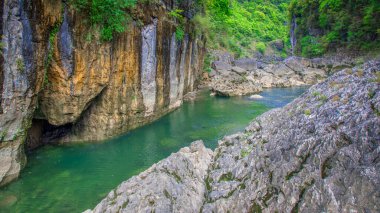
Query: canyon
309,156
59,85
89,106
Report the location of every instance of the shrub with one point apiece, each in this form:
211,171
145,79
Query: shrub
109,15
311,47
179,33
260,46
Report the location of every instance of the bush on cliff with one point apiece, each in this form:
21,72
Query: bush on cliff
333,24
108,15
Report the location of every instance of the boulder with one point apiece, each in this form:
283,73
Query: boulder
220,65
212,73
319,153
239,70
234,85
248,64
256,97
225,57
175,184
277,44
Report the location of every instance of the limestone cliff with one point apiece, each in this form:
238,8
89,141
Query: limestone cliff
68,87
319,153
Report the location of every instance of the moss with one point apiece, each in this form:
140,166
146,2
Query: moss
226,177
2,135
307,112
125,204
291,174
271,191
208,182
371,94
177,177
242,186
49,58
20,65
301,195
375,110
322,98
377,78
245,152
255,208
316,94
167,195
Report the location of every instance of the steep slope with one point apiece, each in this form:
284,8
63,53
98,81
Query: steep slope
319,153
320,26
70,87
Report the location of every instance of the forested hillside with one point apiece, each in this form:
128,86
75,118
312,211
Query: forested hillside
245,26
324,25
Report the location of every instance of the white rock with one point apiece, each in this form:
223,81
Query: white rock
256,97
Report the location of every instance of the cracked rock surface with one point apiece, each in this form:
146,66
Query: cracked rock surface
319,153
175,184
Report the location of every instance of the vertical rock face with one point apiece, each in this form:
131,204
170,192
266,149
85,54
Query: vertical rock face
174,75
149,66
54,68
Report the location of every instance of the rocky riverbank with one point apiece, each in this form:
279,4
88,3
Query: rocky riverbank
319,153
230,77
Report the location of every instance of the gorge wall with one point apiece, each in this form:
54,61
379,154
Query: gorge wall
58,84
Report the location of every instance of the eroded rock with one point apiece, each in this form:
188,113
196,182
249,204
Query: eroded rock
319,153
175,184
267,73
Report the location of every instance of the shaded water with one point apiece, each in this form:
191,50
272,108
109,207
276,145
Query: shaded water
73,178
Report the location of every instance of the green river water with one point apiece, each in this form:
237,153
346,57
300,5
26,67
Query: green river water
73,178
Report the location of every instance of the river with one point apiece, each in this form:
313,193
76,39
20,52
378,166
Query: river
73,178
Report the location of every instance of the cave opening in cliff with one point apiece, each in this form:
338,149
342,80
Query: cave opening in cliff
42,132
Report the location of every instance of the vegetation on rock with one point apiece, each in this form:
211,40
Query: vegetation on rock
324,25
108,15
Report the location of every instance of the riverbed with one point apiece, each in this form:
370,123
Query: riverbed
73,178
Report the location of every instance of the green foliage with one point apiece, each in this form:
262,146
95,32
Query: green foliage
2,45
207,62
261,47
176,14
237,25
329,24
49,58
20,65
108,15
311,47
179,33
